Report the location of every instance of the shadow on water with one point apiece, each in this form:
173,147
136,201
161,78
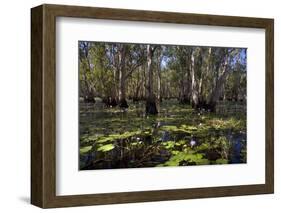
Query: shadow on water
238,143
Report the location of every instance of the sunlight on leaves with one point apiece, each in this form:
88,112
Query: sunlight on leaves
106,148
85,149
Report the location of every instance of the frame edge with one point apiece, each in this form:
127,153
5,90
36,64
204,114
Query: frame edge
269,118
37,190
43,70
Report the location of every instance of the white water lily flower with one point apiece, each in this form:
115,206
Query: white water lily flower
192,143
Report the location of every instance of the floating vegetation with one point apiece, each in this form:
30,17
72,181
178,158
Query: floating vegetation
106,148
175,137
85,149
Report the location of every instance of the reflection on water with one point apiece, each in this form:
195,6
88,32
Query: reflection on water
177,136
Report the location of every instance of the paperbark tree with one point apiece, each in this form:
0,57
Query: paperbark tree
151,107
216,93
129,59
122,77
198,75
84,57
185,80
159,58
194,83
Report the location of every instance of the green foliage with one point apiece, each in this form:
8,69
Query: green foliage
100,63
136,143
88,139
183,128
187,157
85,149
244,155
221,161
226,123
113,137
106,148
169,144
136,138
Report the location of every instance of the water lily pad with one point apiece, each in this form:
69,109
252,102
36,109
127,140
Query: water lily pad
188,157
221,161
106,148
85,149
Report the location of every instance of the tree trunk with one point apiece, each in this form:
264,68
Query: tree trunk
194,86
137,87
203,85
150,101
187,78
115,89
122,91
89,94
122,79
159,97
144,83
216,93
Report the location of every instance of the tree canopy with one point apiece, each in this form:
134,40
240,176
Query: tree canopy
200,76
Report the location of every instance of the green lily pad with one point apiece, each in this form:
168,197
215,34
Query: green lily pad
85,149
106,148
221,161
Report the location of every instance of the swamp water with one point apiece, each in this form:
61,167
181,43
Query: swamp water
178,136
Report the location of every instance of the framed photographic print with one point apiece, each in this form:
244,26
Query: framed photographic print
136,106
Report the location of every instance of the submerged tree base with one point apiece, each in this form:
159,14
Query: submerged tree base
123,103
151,107
184,100
89,99
204,106
110,102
